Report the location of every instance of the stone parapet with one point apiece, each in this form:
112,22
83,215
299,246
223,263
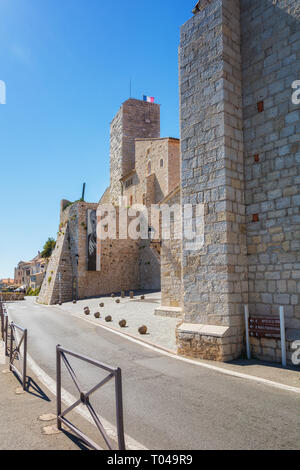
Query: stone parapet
209,342
172,312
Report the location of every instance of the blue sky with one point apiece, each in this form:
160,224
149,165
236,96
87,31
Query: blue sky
67,66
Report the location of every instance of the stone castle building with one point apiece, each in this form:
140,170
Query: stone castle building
144,170
239,157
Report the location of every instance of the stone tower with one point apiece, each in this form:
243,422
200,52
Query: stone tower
135,119
214,278
240,159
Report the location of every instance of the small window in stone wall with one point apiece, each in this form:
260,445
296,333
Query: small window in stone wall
149,168
131,201
128,183
161,163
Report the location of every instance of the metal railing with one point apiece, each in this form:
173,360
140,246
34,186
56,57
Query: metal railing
84,398
16,354
4,327
6,336
2,319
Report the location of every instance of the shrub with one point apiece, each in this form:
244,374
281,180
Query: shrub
48,248
33,292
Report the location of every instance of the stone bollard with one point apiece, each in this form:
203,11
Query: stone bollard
131,294
118,301
97,315
122,323
108,319
142,297
123,294
113,296
143,330
101,305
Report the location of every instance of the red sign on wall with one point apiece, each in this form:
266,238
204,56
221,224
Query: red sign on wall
264,328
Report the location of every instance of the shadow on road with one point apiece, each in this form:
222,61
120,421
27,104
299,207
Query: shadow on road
78,442
256,362
33,389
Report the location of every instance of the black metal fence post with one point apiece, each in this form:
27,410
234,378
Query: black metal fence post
6,335
119,409
58,387
2,319
11,346
15,352
25,360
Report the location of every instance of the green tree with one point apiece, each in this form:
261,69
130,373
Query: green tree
48,248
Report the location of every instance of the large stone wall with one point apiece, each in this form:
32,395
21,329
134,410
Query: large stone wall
214,277
164,157
119,261
271,62
171,269
174,163
116,152
149,266
149,153
240,158
119,269
58,282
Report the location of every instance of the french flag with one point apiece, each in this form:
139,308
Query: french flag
148,99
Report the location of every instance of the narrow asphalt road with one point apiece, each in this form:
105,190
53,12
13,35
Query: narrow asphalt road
168,404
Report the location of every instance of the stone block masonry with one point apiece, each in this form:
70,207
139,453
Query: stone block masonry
58,282
119,268
271,63
171,270
159,158
119,263
240,158
214,278
69,259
